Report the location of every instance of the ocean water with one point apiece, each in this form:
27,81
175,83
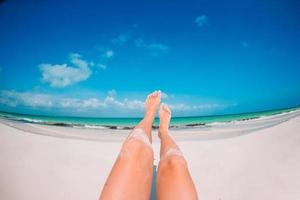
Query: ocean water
125,123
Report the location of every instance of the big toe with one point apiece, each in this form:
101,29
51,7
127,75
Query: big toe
157,93
153,94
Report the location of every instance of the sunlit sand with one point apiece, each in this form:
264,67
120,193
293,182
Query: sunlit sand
253,159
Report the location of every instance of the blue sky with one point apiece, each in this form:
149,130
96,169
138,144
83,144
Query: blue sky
101,58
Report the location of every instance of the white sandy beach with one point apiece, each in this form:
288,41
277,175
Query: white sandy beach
255,159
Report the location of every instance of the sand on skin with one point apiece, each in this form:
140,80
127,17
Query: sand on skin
262,165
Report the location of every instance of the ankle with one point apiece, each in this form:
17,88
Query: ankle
164,127
149,116
163,131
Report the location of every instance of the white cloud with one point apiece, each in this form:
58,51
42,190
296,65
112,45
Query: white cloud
139,43
12,98
77,104
102,66
121,39
186,107
201,20
153,48
98,65
112,93
62,75
108,54
109,105
135,104
41,100
112,101
157,47
164,95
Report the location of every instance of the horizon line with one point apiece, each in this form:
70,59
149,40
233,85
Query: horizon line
195,116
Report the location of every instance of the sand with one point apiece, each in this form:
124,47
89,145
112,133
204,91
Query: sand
249,160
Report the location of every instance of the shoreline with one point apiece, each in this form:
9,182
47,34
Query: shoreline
123,123
207,132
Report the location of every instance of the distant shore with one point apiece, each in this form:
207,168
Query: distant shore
129,123
216,130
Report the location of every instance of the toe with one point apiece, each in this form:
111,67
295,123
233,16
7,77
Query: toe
148,98
159,93
153,94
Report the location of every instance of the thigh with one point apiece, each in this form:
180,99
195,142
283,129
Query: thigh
131,175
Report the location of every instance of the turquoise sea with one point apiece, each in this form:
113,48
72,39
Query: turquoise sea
123,123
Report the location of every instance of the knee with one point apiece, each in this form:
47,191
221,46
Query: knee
136,148
172,163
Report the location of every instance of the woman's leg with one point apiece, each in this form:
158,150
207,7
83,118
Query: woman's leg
131,175
173,178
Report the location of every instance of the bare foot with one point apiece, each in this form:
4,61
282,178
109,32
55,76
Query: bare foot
164,119
152,102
